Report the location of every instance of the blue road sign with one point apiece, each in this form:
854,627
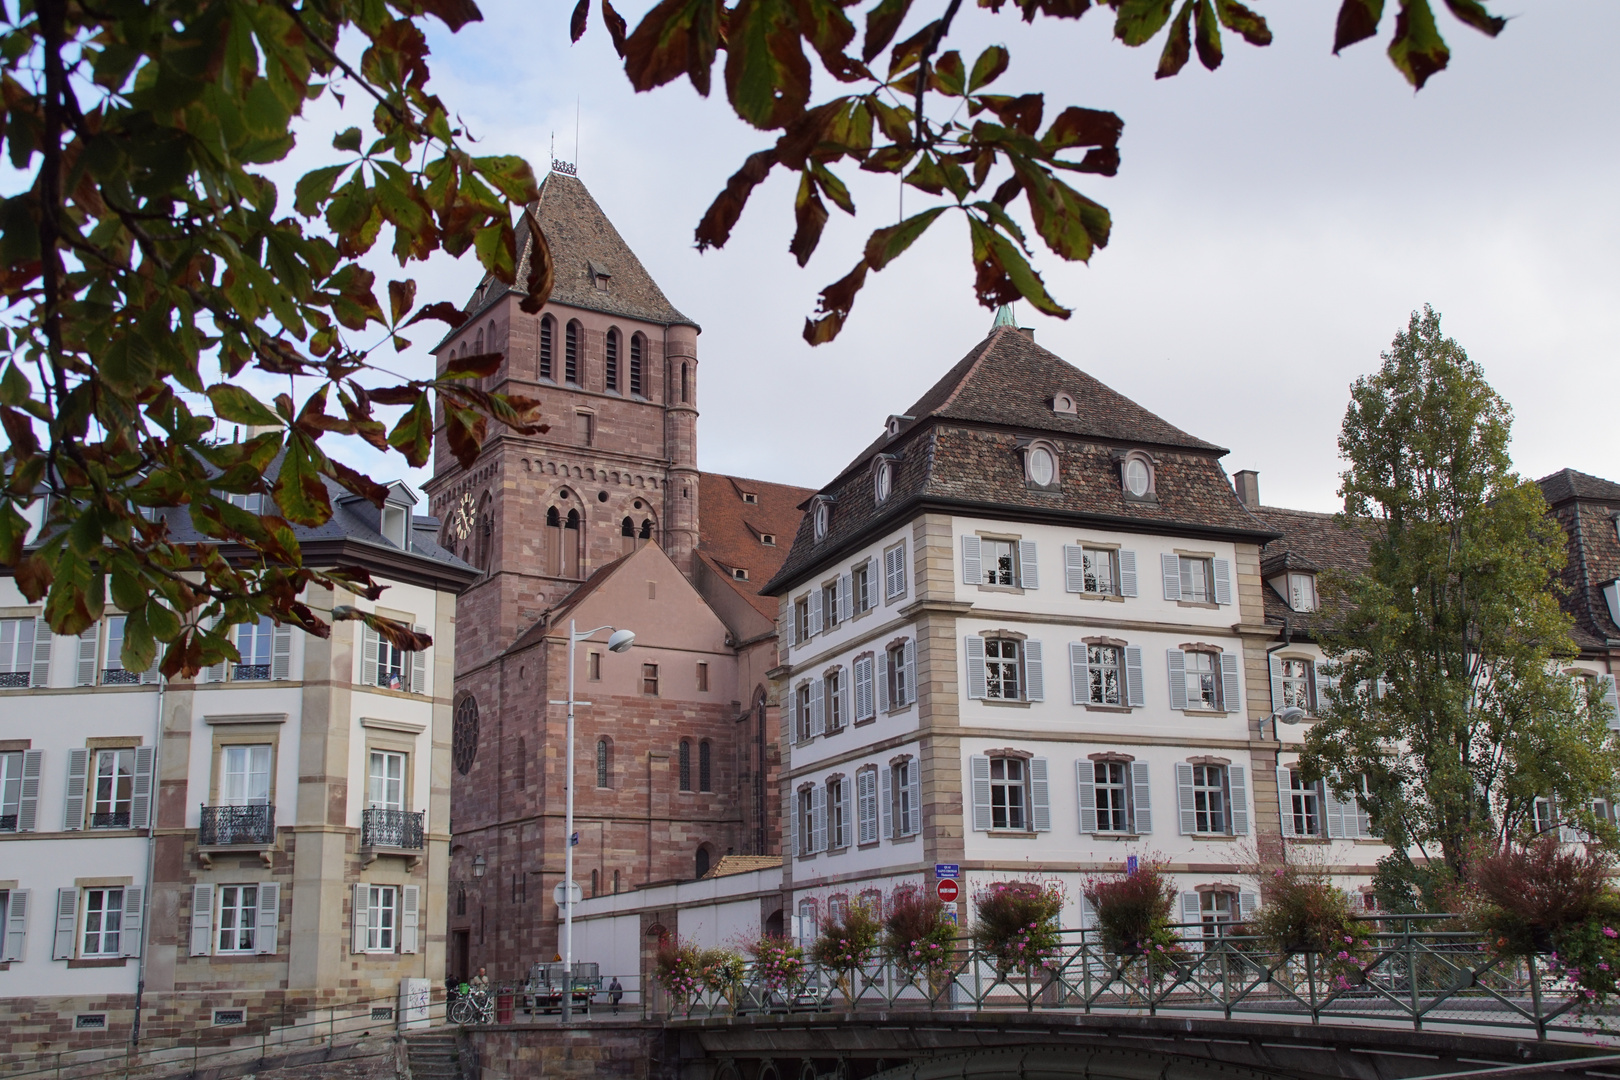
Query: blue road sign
945,870
1130,864
573,841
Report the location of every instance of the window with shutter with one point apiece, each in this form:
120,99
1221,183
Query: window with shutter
1028,565
1034,672
264,935
972,567
13,948
1176,660
980,770
419,666
1136,694
1085,776
1040,797
1141,799
28,794
973,644
1171,567
409,916
894,573
1223,581
881,679
1127,573
913,809
866,806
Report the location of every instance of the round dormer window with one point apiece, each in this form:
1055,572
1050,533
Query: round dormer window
1138,481
883,481
821,521
1041,466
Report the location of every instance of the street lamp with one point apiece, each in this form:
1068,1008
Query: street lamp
1291,715
619,641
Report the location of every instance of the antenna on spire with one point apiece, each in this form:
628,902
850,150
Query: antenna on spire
576,131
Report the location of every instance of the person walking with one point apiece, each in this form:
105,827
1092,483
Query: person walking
615,993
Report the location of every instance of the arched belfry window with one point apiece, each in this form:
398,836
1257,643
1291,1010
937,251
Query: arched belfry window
638,351
571,544
554,541
701,864
684,390
627,533
611,355
479,346
571,346
686,765
548,333
705,766
604,763
646,529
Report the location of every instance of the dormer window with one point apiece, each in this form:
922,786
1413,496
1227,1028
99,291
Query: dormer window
882,479
1302,591
892,426
768,539
1041,465
1063,403
739,573
395,522
821,517
750,497
1136,477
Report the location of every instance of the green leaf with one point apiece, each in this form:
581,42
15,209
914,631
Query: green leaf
1240,20
299,491
413,435
810,214
1208,37
139,647
675,38
1358,20
401,298
1417,49
767,73
1474,14
949,77
1137,21
348,139
881,23
237,406
988,67
884,245
1178,43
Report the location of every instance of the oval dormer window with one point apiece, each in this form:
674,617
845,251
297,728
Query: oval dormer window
883,481
1137,479
1041,466
821,521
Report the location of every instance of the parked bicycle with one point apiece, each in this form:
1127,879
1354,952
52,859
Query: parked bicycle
473,1007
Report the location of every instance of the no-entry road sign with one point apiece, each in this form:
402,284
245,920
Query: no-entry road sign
947,890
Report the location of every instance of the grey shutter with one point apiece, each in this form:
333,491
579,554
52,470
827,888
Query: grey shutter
1231,692
1085,780
1040,795
974,644
129,935
370,645
863,688
815,612
866,806
1170,565
1079,675
1184,798
1177,663
1074,568
886,801
910,652
799,725
1135,694
1238,789
1247,902
972,568
1223,581
216,672
846,693
1189,907
140,801
1141,799
202,920
1034,677
1276,683
980,768
844,796
1285,798
786,633
358,919
874,575
16,928
913,823
264,933
846,598
67,923
882,680
281,652
1364,828
1029,572
42,653
1088,912
793,825
88,644
818,707
419,667
153,674
28,804
1609,695
1320,684
1338,825
1127,573
410,899
78,782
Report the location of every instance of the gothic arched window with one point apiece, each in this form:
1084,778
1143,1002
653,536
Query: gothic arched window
479,347
686,765
638,348
627,530
553,541
684,397
571,544
702,861
604,763
705,766
548,331
612,356
571,354
646,529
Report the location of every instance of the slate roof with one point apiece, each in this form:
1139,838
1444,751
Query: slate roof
959,449
583,242
729,530
1586,506
1311,542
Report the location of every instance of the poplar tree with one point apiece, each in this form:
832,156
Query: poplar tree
1451,713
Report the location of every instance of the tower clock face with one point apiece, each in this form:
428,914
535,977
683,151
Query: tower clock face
461,518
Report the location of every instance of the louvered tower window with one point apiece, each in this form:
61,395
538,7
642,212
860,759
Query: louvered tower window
548,331
637,347
571,354
613,360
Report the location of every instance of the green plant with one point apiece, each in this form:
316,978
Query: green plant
848,940
680,971
1134,909
778,963
1016,924
917,938
1304,912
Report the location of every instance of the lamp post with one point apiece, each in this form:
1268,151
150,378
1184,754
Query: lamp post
1291,715
619,641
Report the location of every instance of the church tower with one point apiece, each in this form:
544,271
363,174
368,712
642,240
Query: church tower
614,365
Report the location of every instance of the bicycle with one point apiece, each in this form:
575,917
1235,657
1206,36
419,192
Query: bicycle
473,1007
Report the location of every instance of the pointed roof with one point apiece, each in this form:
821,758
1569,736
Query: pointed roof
1567,484
584,244
1004,317
1588,508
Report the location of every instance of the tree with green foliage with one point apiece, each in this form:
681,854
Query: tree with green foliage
150,261
1450,702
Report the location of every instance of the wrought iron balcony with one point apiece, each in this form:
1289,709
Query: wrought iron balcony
400,829
110,819
223,826
13,680
114,676
251,672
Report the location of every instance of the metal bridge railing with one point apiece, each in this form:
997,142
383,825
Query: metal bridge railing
1417,971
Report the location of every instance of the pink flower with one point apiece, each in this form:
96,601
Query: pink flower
1609,933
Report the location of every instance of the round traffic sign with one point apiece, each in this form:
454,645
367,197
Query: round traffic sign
947,890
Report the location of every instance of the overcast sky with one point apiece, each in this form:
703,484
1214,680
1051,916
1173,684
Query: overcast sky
1276,222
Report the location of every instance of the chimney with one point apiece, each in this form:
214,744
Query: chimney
1027,331
1247,483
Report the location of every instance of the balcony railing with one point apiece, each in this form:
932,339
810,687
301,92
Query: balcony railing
251,672
110,819
13,680
222,826
116,676
391,829
8,822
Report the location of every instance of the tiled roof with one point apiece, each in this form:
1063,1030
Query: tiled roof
1586,507
729,530
960,450
1314,542
742,864
583,244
